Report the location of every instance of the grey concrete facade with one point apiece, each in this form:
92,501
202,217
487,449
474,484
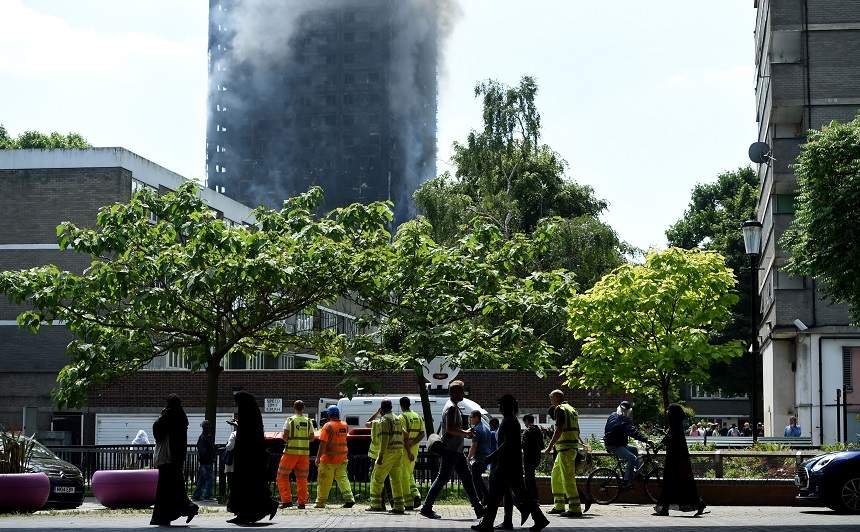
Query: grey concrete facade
807,56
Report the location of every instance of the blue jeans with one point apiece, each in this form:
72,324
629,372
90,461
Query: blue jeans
451,461
630,455
205,481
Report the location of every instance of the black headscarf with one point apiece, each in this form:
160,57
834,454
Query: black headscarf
173,425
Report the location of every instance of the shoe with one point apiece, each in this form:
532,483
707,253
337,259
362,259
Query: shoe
479,511
504,526
429,514
587,505
626,486
235,521
571,515
409,508
348,504
300,506
396,511
192,513
662,513
416,502
322,505
539,525
555,511
481,527
286,505
372,509
274,510
701,509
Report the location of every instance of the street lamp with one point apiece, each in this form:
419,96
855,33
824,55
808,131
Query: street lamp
752,244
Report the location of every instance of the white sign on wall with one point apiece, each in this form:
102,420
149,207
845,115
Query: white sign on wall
439,374
273,404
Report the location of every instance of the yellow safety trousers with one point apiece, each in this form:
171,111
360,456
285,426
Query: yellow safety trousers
392,464
333,472
563,481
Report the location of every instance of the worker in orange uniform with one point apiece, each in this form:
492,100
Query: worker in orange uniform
331,460
297,435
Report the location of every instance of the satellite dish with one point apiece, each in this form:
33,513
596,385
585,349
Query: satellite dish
759,152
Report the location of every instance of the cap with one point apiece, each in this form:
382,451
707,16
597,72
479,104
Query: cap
626,404
333,411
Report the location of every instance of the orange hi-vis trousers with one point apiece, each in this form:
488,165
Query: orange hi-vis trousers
299,464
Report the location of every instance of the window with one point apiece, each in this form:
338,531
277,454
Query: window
848,354
783,204
698,391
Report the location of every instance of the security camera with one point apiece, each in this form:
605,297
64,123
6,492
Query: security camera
800,325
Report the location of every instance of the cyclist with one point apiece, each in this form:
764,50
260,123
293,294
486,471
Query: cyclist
619,428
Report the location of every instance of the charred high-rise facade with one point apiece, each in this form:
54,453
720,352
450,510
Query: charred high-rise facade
336,93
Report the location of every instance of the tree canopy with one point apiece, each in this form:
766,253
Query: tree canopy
191,283
43,141
824,238
647,328
712,221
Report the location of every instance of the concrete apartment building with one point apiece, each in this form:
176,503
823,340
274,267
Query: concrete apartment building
340,94
807,56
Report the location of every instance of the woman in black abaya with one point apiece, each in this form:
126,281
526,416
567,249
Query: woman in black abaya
171,439
250,497
679,487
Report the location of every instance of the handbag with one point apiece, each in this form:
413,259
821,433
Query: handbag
161,454
435,445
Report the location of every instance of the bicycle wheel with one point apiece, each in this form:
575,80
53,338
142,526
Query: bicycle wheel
603,486
653,483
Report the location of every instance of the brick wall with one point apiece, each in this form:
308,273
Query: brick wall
484,386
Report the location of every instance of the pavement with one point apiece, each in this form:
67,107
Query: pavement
618,517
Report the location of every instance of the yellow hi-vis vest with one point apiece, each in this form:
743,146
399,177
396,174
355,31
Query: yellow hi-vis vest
391,433
566,416
375,438
413,425
300,432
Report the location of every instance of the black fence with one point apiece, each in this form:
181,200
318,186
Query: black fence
92,458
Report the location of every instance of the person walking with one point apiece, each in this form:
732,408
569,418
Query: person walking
171,440
228,457
388,461
679,486
506,476
792,430
250,497
532,446
452,457
733,432
617,433
297,435
565,440
413,430
332,459
479,450
206,463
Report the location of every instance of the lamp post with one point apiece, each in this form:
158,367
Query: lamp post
752,244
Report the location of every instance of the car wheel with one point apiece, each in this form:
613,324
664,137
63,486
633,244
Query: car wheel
846,498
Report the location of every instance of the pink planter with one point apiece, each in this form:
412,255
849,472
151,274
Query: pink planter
124,489
24,492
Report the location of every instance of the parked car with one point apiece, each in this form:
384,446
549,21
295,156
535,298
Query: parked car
832,480
67,482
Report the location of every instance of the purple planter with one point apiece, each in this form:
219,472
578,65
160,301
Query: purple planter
24,492
125,489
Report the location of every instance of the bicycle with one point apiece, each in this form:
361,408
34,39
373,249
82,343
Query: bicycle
605,484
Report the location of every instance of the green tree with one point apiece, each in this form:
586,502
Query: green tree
824,238
474,302
712,221
43,141
649,328
191,283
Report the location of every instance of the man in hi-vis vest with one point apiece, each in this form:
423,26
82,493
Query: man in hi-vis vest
388,462
298,432
565,439
413,429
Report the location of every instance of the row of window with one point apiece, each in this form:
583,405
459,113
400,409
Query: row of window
697,391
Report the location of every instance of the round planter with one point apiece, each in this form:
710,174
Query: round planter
125,489
24,492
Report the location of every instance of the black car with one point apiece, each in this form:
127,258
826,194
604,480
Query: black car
67,482
831,480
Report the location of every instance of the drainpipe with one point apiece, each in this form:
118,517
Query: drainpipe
821,381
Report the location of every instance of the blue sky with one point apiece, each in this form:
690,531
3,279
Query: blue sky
643,99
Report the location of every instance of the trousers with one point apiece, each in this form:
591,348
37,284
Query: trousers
452,461
205,481
391,466
328,473
407,479
478,469
298,464
629,454
508,484
563,481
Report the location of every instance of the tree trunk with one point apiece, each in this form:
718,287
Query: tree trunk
425,400
664,398
213,372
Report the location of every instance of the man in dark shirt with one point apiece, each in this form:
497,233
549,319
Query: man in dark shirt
619,428
206,461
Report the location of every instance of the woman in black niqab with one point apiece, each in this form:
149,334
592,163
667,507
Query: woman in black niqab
250,496
171,437
679,487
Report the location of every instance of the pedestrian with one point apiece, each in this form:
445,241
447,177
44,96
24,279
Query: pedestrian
734,432
452,457
297,434
141,438
617,433
332,459
374,423
205,463
479,450
494,430
388,462
506,476
250,497
724,430
565,440
747,430
413,429
679,487
792,430
759,430
532,444
228,457
171,440
140,459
